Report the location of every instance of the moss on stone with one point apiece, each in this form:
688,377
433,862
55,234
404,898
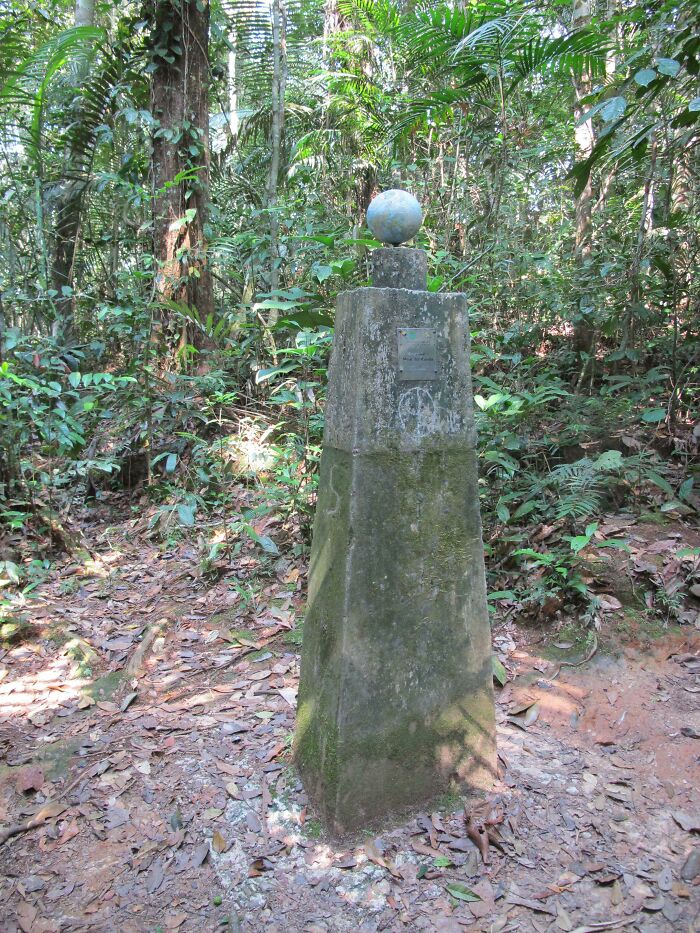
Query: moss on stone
396,698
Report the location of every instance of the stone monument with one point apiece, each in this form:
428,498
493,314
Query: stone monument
396,698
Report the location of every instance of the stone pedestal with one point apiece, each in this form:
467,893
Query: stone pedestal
395,700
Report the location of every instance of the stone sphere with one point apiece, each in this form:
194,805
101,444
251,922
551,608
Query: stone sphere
394,216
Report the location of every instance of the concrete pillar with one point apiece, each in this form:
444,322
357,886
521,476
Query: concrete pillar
396,699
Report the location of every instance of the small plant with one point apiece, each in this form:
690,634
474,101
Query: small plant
313,829
295,636
14,629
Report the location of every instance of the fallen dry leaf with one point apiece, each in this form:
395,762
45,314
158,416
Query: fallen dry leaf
30,778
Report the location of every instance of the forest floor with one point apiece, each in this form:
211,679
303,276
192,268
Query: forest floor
146,719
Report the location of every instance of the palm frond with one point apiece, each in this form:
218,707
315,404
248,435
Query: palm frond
27,87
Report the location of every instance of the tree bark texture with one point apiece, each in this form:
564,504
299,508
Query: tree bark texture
585,140
279,81
180,155
68,209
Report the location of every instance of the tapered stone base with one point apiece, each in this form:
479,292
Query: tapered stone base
395,698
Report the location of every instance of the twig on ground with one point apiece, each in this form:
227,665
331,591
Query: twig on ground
577,663
47,812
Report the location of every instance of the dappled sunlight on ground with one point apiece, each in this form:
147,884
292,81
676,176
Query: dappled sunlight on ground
172,801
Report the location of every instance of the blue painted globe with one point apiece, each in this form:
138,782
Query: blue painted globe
394,216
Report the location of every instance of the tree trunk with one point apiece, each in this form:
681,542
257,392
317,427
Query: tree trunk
180,158
233,84
68,211
279,81
585,140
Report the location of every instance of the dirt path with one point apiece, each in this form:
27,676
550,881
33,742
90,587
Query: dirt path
181,810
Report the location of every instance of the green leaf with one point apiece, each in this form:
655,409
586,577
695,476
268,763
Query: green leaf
262,375
654,415
609,460
525,509
11,570
268,545
265,542
672,506
461,892
502,512
183,221
661,483
613,109
171,463
645,76
614,543
186,515
686,488
74,379
322,272
501,594
668,66
442,861
578,543
499,671
278,303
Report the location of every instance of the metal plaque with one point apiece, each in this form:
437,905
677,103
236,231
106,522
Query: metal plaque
417,353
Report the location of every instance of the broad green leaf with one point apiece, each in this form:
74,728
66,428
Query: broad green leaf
318,238
686,488
171,463
502,512
499,672
186,514
501,594
461,891
613,109
668,66
268,545
645,76
262,375
609,460
265,542
442,861
277,303
672,506
661,483
525,509
322,272
654,415
614,543
11,570
74,379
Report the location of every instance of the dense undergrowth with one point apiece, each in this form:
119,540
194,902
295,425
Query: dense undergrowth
555,459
